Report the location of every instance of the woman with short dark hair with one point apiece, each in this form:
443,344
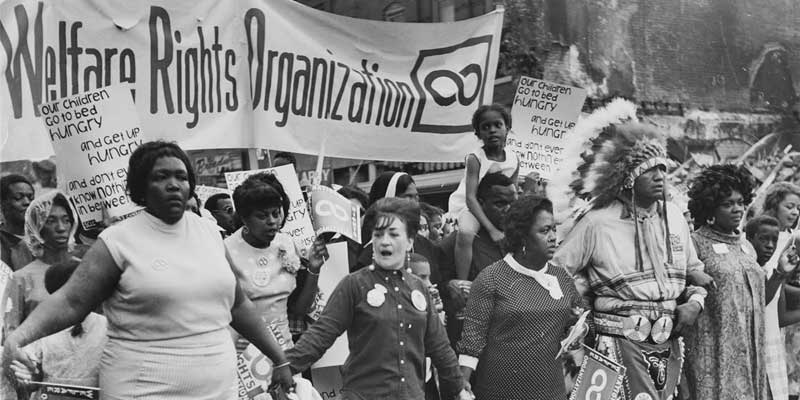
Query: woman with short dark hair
387,313
265,259
519,310
167,290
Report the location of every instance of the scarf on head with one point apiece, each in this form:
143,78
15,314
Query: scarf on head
391,190
35,218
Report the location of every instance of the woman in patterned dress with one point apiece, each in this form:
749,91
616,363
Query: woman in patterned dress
725,352
265,259
518,311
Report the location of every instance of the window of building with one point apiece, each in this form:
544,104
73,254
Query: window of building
394,12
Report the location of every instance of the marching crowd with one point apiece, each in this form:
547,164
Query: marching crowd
472,303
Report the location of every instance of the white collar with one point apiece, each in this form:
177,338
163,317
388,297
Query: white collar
516,266
544,279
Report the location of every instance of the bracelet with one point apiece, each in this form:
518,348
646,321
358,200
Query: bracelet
281,365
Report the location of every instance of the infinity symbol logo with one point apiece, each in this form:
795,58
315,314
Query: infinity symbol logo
444,79
463,99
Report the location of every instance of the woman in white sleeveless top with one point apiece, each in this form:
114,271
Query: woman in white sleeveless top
168,291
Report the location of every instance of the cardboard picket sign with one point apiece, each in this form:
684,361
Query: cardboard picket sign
326,372
332,212
298,222
599,378
543,113
6,303
254,369
93,134
328,382
254,372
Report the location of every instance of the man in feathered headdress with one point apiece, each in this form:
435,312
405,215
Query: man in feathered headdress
631,254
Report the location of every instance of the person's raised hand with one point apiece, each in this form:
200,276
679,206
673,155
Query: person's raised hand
789,259
317,255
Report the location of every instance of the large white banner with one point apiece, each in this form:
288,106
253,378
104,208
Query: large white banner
251,73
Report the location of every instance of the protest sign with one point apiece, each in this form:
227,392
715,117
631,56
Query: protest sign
93,135
55,391
204,192
332,212
599,378
6,305
328,382
298,222
325,373
332,272
252,74
254,371
543,113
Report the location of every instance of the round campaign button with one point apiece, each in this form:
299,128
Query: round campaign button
261,277
419,300
375,297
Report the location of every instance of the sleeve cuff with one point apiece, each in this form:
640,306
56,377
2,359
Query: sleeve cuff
468,361
700,299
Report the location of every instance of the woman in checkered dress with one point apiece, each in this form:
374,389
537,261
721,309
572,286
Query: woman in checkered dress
518,311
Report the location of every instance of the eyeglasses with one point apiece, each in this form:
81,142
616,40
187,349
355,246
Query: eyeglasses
423,227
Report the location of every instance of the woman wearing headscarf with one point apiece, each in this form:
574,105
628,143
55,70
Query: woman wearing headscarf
725,351
518,312
265,259
49,234
389,319
168,291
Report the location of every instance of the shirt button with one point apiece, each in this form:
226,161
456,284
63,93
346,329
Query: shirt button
386,278
401,325
400,306
396,289
402,361
401,343
402,379
409,326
